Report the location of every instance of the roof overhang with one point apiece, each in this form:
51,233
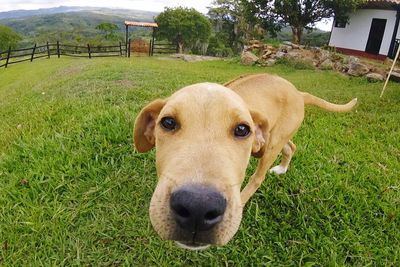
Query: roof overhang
383,4
141,24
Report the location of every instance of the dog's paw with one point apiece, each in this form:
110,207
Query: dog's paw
278,170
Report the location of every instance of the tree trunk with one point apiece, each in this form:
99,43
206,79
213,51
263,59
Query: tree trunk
180,46
297,32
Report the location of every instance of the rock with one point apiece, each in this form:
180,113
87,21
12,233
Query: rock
295,46
395,76
248,58
287,43
375,77
280,54
356,68
271,62
340,67
327,64
284,48
266,54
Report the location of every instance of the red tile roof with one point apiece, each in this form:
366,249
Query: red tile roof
141,24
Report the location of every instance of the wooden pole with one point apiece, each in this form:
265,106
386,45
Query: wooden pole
153,38
58,49
120,49
129,48
126,39
88,48
48,49
390,72
33,52
8,56
150,48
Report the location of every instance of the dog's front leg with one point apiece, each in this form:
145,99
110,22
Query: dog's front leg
265,163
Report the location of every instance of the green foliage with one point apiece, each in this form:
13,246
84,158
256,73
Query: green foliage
8,38
298,14
75,27
297,64
109,30
73,192
184,26
216,47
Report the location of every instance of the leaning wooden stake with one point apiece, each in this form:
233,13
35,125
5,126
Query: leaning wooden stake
391,70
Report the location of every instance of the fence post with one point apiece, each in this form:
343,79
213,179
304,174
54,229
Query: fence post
58,49
8,56
129,48
120,49
88,48
33,52
48,49
151,47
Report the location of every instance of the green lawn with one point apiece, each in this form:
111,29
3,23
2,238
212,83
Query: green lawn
74,192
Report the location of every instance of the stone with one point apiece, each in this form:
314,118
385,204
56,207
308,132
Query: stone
356,68
395,76
295,46
375,77
287,43
248,58
266,54
280,54
327,64
271,62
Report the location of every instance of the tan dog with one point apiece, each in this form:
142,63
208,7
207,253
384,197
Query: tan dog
204,135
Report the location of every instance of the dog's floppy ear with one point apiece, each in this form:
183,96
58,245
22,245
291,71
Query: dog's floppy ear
143,136
261,134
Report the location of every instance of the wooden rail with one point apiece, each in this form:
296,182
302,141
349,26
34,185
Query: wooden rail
13,56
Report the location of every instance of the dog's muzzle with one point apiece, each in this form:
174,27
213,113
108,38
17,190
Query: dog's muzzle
196,209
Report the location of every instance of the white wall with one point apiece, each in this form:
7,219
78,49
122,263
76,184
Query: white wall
355,34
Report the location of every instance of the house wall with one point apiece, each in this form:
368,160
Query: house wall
355,34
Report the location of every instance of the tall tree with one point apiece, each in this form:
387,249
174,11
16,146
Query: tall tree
231,25
298,14
8,38
184,26
108,30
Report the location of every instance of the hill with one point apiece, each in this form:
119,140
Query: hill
73,24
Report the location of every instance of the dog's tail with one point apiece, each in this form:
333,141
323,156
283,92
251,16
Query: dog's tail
316,101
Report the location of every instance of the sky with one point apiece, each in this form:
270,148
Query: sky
148,5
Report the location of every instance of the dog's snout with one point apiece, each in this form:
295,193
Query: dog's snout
197,208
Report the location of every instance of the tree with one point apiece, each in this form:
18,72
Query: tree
229,24
108,30
298,14
8,38
183,26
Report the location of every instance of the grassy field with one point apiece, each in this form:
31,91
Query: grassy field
74,192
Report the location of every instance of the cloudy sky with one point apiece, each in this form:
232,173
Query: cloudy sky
149,5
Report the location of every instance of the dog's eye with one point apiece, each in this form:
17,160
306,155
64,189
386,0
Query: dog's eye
168,123
242,130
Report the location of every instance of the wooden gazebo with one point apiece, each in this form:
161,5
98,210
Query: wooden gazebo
152,25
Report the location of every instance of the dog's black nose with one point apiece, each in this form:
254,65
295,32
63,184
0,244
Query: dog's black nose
197,207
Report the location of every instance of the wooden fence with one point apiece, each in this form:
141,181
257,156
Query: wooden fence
164,48
13,56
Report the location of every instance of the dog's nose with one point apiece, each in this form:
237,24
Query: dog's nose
197,207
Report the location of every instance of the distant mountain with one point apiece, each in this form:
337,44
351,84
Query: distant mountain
139,14
71,24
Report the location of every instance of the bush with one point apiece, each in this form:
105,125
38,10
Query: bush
218,49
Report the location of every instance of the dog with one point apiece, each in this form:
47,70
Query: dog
204,135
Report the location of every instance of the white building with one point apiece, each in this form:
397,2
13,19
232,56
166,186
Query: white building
371,31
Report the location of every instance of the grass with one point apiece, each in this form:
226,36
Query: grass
74,192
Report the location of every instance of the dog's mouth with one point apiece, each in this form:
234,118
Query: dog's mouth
192,245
